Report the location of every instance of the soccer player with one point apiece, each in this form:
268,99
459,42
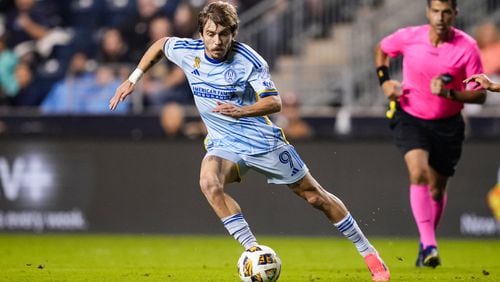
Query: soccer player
427,126
234,93
484,81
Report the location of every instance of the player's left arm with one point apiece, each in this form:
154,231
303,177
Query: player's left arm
264,106
484,81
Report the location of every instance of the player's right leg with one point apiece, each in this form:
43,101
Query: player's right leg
417,162
311,191
215,173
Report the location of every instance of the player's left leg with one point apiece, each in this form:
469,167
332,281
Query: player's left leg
311,191
284,166
429,256
439,196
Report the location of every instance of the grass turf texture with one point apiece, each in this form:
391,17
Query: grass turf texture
25,257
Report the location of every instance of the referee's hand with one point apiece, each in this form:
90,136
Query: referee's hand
392,89
437,87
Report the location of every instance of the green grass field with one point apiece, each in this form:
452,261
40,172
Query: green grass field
25,257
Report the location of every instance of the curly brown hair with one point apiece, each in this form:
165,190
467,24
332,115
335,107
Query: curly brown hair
221,13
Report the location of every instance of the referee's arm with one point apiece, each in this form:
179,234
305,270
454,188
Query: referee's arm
468,96
390,87
476,96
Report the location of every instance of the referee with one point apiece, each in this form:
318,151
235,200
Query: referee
427,125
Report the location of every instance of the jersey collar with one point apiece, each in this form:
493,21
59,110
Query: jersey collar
213,61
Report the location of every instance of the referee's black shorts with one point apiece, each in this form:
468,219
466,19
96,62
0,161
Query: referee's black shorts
442,138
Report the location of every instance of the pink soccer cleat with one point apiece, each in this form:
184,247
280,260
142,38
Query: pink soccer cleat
377,267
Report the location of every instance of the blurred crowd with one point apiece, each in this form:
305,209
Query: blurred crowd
68,57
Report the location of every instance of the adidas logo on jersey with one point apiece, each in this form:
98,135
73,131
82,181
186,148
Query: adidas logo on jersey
195,72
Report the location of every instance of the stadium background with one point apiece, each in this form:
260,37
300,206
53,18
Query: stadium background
67,164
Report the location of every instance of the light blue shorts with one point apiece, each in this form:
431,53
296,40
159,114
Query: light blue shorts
281,166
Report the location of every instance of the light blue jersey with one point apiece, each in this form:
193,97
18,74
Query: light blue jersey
241,79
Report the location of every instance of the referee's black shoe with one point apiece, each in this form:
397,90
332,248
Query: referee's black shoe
431,257
420,256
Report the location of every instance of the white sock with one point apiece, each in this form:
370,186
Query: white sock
351,231
237,226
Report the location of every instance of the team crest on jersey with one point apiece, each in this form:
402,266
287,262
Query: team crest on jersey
197,62
196,66
230,75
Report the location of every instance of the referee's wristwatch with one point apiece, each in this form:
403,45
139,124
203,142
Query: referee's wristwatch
449,94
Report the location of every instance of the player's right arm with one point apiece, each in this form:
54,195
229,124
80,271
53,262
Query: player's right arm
390,87
484,81
149,59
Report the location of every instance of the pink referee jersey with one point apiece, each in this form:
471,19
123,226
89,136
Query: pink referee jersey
422,61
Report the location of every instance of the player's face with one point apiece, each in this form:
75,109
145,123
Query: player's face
441,16
217,39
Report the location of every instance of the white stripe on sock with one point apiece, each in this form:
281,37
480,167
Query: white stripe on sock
237,226
351,231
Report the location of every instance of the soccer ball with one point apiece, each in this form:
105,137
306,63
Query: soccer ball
259,264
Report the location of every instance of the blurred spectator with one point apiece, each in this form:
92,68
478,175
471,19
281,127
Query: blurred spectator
113,48
486,34
8,62
97,99
36,39
185,21
27,94
169,7
116,13
488,39
195,129
31,28
63,98
82,91
173,122
83,18
26,22
159,27
290,121
136,30
172,119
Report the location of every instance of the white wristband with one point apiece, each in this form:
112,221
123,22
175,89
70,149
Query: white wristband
135,76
